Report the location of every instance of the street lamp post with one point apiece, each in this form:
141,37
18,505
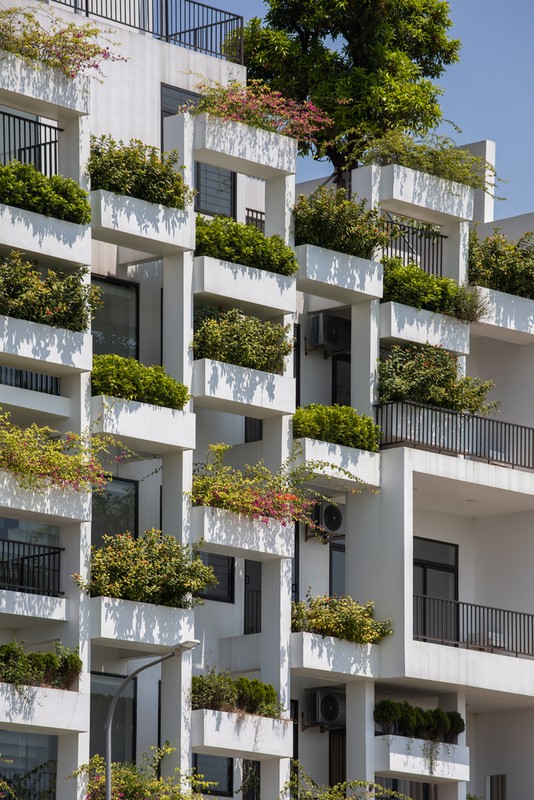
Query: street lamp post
177,650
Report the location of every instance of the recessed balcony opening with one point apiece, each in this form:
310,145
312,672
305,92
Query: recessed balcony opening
415,242
24,138
30,557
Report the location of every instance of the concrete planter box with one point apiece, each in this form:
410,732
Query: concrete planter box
51,241
57,505
33,346
400,323
328,658
45,710
241,148
222,531
240,735
412,193
142,426
399,756
363,465
239,390
139,626
255,291
337,276
138,225
41,91
508,318
40,404
30,607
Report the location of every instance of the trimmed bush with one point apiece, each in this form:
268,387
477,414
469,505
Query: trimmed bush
23,186
255,697
218,691
413,287
138,170
501,264
126,378
403,719
336,424
59,299
57,669
224,238
341,617
235,338
329,218
386,715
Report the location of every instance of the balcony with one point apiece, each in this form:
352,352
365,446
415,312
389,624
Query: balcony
30,568
192,25
29,142
414,244
456,433
459,624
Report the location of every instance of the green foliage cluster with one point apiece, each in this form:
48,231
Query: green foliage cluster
137,781
337,424
501,264
155,568
341,617
330,218
59,299
224,238
435,155
138,170
403,719
117,376
218,691
305,788
57,669
235,338
413,287
23,186
429,375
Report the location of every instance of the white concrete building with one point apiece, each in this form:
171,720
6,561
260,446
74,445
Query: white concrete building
443,547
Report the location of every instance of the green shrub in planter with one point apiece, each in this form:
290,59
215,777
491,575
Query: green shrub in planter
23,186
341,617
457,726
438,724
255,697
413,287
501,264
62,300
403,719
329,218
336,424
126,378
218,691
228,240
138,170
386,715
235,338
57,669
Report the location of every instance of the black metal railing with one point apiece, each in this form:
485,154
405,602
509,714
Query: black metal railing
29,142
187,23
427,427
35,381
30,568
256,218
415,245
460,624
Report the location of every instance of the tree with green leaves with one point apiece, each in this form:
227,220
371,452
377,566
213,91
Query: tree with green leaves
369,64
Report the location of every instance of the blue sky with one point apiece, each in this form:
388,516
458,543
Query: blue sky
488,94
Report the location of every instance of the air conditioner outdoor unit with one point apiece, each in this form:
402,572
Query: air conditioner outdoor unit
325,707
329,333
331,518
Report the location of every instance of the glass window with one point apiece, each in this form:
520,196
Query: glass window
103,687
337,569
28,531
114,510
223,566
218,770
250,787
252,619
115,325
28,763
341,380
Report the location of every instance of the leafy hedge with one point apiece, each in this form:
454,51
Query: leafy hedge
218,691
57,669
341,617
337,424
23,186
329,218
403,719
117,376
155,568
224,238
501,264
62,300
413,287
138,170
235,338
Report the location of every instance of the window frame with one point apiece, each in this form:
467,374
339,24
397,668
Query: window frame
96,279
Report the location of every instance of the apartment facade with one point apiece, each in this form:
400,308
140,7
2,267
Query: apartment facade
440,543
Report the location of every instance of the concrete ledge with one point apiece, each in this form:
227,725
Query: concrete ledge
58,506
363,465
52,711
41,348
241,735
400,323
328,658
32,607
218,530
337,276
143,627
402,757
508,317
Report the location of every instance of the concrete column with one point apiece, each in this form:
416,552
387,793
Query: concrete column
360,698
279,202
455,250
484,202
277,440
177,311
175,503
73,750
455,701
273,777
73,151
365,349
178,134
366,184
276,627
176,711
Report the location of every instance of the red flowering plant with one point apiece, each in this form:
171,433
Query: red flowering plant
259,106
284,495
